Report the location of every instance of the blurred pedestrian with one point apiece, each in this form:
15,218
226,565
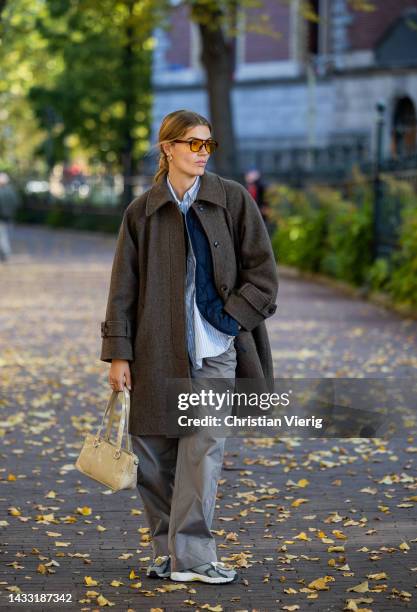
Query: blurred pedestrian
256,187
9,202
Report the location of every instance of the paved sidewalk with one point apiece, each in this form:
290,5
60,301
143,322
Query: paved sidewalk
303,520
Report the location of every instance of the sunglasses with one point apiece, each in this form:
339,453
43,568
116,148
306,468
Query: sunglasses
196,144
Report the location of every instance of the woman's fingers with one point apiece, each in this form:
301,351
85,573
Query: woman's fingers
116,383
116,386
128,379
119,379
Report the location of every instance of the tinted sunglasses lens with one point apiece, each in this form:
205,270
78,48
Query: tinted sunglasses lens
196,145
211,146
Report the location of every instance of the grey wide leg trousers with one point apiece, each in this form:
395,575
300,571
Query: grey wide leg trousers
177,482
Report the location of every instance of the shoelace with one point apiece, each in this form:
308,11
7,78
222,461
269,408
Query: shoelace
220,564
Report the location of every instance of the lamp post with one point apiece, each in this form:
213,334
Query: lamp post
378,189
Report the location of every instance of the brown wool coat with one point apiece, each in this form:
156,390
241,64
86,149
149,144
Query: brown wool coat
145,315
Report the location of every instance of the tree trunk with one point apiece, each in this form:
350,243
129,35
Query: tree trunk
2,7
127,160
218,59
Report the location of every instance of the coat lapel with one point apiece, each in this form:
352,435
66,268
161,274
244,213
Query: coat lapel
211,190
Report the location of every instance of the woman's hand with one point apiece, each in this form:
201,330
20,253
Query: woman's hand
119,375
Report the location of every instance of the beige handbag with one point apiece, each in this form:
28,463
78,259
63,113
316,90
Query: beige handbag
104,461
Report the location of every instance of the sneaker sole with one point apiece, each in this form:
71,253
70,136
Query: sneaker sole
154,574
193,577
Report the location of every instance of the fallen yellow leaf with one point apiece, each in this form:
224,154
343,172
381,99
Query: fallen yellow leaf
14,511
302,536
363,587
85,510
379,576
136,585
298,502
104,602
339,534
320,584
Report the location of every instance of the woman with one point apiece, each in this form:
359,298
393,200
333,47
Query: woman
192,281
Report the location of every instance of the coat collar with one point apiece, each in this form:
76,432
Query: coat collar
211,190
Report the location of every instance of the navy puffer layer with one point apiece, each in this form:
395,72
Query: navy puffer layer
209,302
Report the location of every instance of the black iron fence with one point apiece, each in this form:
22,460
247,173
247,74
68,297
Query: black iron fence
101,197
297,168
293,165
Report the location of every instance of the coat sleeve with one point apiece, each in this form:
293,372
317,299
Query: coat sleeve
253,300
117,331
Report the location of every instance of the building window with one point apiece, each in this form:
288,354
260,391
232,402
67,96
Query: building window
313,30
317,35
404,127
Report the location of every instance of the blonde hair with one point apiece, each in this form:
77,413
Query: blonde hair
173,126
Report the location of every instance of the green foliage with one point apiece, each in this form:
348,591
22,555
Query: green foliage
34,211
348,247
379,274
324,230
24,60
298,239
101,98
320,231
90,221
76,80
403,282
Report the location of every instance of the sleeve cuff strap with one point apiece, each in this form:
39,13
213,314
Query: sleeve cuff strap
116,328
249,307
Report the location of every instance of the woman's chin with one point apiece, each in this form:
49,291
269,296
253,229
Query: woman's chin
195,171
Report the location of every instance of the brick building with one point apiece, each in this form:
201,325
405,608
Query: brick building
315,86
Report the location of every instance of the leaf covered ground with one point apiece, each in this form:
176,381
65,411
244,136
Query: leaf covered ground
310,524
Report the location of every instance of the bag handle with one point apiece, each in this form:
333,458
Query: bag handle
109,409
124,419
113,412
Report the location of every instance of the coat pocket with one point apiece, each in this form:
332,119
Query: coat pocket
248,363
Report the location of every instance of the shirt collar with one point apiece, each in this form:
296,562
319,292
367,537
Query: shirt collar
211,190
190,193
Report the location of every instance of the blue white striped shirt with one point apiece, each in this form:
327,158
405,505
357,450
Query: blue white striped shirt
203,340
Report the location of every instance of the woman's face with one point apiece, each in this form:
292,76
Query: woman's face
185,161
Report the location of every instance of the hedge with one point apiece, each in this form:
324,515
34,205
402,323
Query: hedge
322,229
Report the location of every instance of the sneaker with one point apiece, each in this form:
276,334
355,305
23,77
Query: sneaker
214,572
160,568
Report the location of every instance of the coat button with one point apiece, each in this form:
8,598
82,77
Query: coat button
223,287
272,309
216,243
201,208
